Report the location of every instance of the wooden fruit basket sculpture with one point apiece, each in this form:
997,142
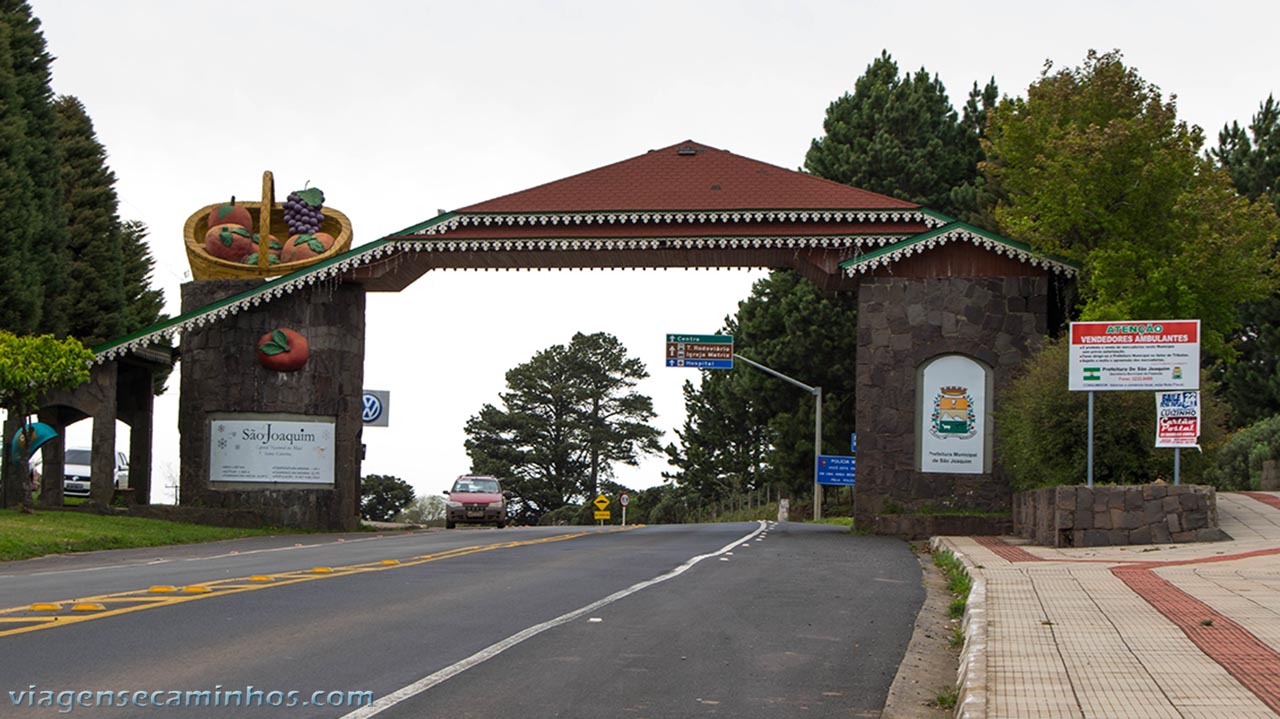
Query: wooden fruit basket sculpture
265,258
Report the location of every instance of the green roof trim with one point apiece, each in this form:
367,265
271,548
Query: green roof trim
172,325
955,231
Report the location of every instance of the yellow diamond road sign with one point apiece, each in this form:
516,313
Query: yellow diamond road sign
601,502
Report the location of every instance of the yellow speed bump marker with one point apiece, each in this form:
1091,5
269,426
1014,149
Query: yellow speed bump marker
46,607
162,589
261,578
196,589
89,607
390,562
322,570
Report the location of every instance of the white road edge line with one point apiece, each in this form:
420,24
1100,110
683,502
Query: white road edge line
494,650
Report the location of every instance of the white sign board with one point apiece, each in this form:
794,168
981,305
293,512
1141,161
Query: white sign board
1177,419
1147,355
271,450
953,421
375,408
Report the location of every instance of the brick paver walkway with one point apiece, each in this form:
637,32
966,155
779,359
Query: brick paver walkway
1182,631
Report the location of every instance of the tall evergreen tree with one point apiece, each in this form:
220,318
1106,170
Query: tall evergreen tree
974,201
1251,384
95,235
898,136
144,305
30,190
1253,157
569,414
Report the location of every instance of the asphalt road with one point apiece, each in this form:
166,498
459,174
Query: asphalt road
733,620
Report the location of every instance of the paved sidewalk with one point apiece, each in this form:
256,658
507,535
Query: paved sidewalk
1185,631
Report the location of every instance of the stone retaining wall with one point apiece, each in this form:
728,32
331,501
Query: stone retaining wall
1080,516
923,526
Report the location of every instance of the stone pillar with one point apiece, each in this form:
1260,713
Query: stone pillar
11,473
902,323
140,440
221,376
53,462
1270,476
103,470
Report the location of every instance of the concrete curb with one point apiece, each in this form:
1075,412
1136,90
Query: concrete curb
971,679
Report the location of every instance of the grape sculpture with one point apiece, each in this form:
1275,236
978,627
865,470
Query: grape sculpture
302,211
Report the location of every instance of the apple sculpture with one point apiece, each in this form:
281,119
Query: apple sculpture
230,242
305,246
230,214
283,350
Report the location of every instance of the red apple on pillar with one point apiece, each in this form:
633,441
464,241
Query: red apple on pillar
283,350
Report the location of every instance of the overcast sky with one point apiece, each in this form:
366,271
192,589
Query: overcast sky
398,109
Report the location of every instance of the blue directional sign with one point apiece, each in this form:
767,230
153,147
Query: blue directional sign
700,351
700,363
836,470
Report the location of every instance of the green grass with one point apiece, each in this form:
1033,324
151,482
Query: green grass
958,581
23,536
946,698
840,521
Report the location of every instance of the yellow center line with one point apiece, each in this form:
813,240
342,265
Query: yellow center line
140,599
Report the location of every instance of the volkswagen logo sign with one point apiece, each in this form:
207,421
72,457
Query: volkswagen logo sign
373,408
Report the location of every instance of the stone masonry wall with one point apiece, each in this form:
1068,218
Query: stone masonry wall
221,374
902,322
1081,516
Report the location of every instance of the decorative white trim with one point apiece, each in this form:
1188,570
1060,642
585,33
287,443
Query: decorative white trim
306,278
266,293
655,243
700,217
959,234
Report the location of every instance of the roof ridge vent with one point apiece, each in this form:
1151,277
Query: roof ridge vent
687,150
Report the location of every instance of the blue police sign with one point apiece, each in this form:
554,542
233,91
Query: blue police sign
836,470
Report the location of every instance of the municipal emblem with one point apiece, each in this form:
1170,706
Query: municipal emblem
953,414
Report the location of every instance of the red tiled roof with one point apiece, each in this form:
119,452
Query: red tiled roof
689,176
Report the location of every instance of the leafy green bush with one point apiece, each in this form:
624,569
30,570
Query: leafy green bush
1240,458
1042,429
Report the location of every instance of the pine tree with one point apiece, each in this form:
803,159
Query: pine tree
20,291
30,185
1253,158
95,235
569,413
144,306
898,136
974,202
1252,382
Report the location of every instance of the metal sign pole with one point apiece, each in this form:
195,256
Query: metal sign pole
1091,438
817,452
817,426
1177,466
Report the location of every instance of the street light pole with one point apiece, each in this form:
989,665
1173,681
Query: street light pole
817,426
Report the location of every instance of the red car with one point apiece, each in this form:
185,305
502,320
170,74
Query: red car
476,500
